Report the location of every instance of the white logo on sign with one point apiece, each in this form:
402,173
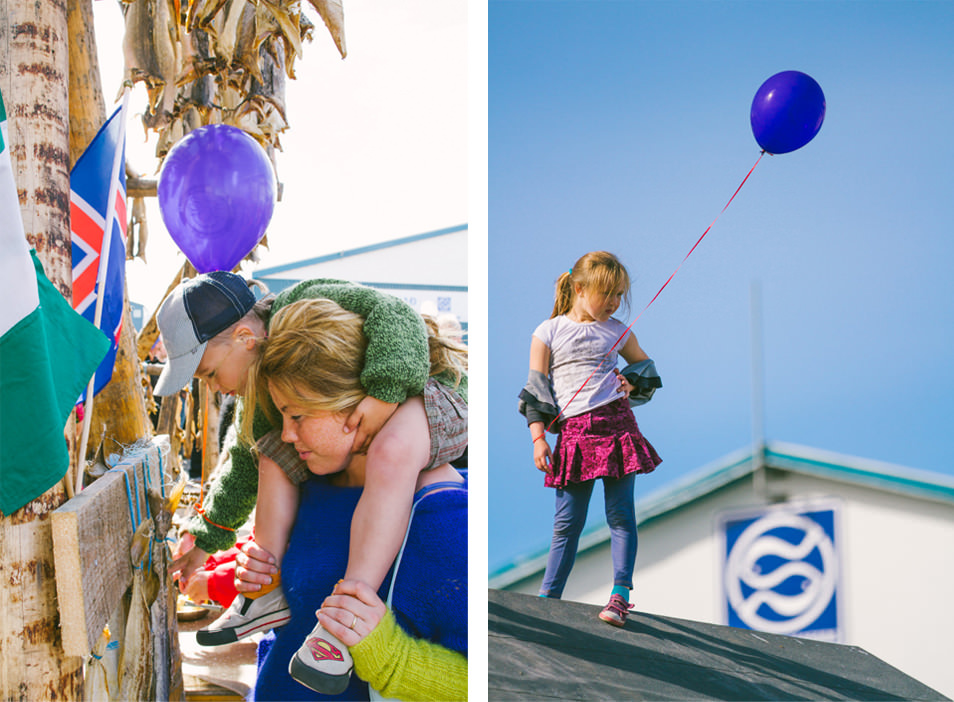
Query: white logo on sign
818,587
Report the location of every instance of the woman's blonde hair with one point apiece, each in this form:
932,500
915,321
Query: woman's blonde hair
314,354
598,270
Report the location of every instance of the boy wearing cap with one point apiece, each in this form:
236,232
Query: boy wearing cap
211,326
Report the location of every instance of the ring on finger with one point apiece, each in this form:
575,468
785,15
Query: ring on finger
353,622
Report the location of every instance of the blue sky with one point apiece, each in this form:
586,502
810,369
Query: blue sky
625,126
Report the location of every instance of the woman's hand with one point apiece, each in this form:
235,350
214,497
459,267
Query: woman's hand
187,559
367,418
254,567
352,612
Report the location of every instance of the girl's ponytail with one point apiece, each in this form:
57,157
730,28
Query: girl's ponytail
563,299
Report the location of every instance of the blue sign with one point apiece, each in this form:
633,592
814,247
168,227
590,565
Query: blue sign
781,570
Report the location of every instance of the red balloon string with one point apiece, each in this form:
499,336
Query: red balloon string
623,336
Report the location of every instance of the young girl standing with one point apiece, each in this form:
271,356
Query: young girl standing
575,389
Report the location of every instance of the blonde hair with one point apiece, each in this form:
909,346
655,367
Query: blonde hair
314,354
598,270
447,355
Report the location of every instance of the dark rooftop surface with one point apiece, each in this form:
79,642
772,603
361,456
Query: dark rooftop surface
540,649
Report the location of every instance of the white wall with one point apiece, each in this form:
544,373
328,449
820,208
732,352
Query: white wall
438,260
419,272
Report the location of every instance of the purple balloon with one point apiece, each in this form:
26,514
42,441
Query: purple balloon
787,112
216,195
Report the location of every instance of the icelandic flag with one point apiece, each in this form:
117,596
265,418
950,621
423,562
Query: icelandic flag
47,355
98,201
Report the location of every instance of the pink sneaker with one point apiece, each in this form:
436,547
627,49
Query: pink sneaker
616,611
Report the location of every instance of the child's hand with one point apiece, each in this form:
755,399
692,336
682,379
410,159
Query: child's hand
368,417
542,457
254,567
197,587
624,385
188,558
183,545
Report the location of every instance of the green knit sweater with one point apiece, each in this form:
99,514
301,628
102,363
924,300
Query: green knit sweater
397,365
402,667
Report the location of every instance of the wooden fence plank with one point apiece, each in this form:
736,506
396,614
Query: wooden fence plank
91,538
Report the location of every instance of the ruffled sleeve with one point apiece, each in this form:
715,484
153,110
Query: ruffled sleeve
645,380
536,400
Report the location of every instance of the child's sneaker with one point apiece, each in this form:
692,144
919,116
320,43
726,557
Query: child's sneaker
615,612
322,663
245,617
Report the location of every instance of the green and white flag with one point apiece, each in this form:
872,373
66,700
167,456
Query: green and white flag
47,355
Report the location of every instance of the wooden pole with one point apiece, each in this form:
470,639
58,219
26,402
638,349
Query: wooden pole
758,413
87,105
210,430
34,78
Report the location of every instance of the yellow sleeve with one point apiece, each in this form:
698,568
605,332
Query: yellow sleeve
401,666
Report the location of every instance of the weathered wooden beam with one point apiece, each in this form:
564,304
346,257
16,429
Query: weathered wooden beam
86,102
141,187
34,71
91,538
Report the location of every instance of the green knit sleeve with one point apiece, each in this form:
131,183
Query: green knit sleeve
401,666
231,496
397,362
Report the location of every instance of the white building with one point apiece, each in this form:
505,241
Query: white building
803,542
428,271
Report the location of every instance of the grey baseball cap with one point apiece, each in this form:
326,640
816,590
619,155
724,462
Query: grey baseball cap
195,311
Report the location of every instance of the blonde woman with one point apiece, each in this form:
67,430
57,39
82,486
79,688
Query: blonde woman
409,423
310,369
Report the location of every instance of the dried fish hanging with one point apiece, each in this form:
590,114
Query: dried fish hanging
150,661
96,679
152,55
137,230
168,658
219,61
136,660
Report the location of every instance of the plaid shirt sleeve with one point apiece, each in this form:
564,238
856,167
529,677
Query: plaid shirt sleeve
284,454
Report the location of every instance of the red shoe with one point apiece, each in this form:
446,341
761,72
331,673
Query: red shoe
615,612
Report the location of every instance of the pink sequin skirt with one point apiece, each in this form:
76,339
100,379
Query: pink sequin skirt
603,443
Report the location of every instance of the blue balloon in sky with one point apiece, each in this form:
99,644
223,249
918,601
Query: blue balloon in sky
216,195
787,112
